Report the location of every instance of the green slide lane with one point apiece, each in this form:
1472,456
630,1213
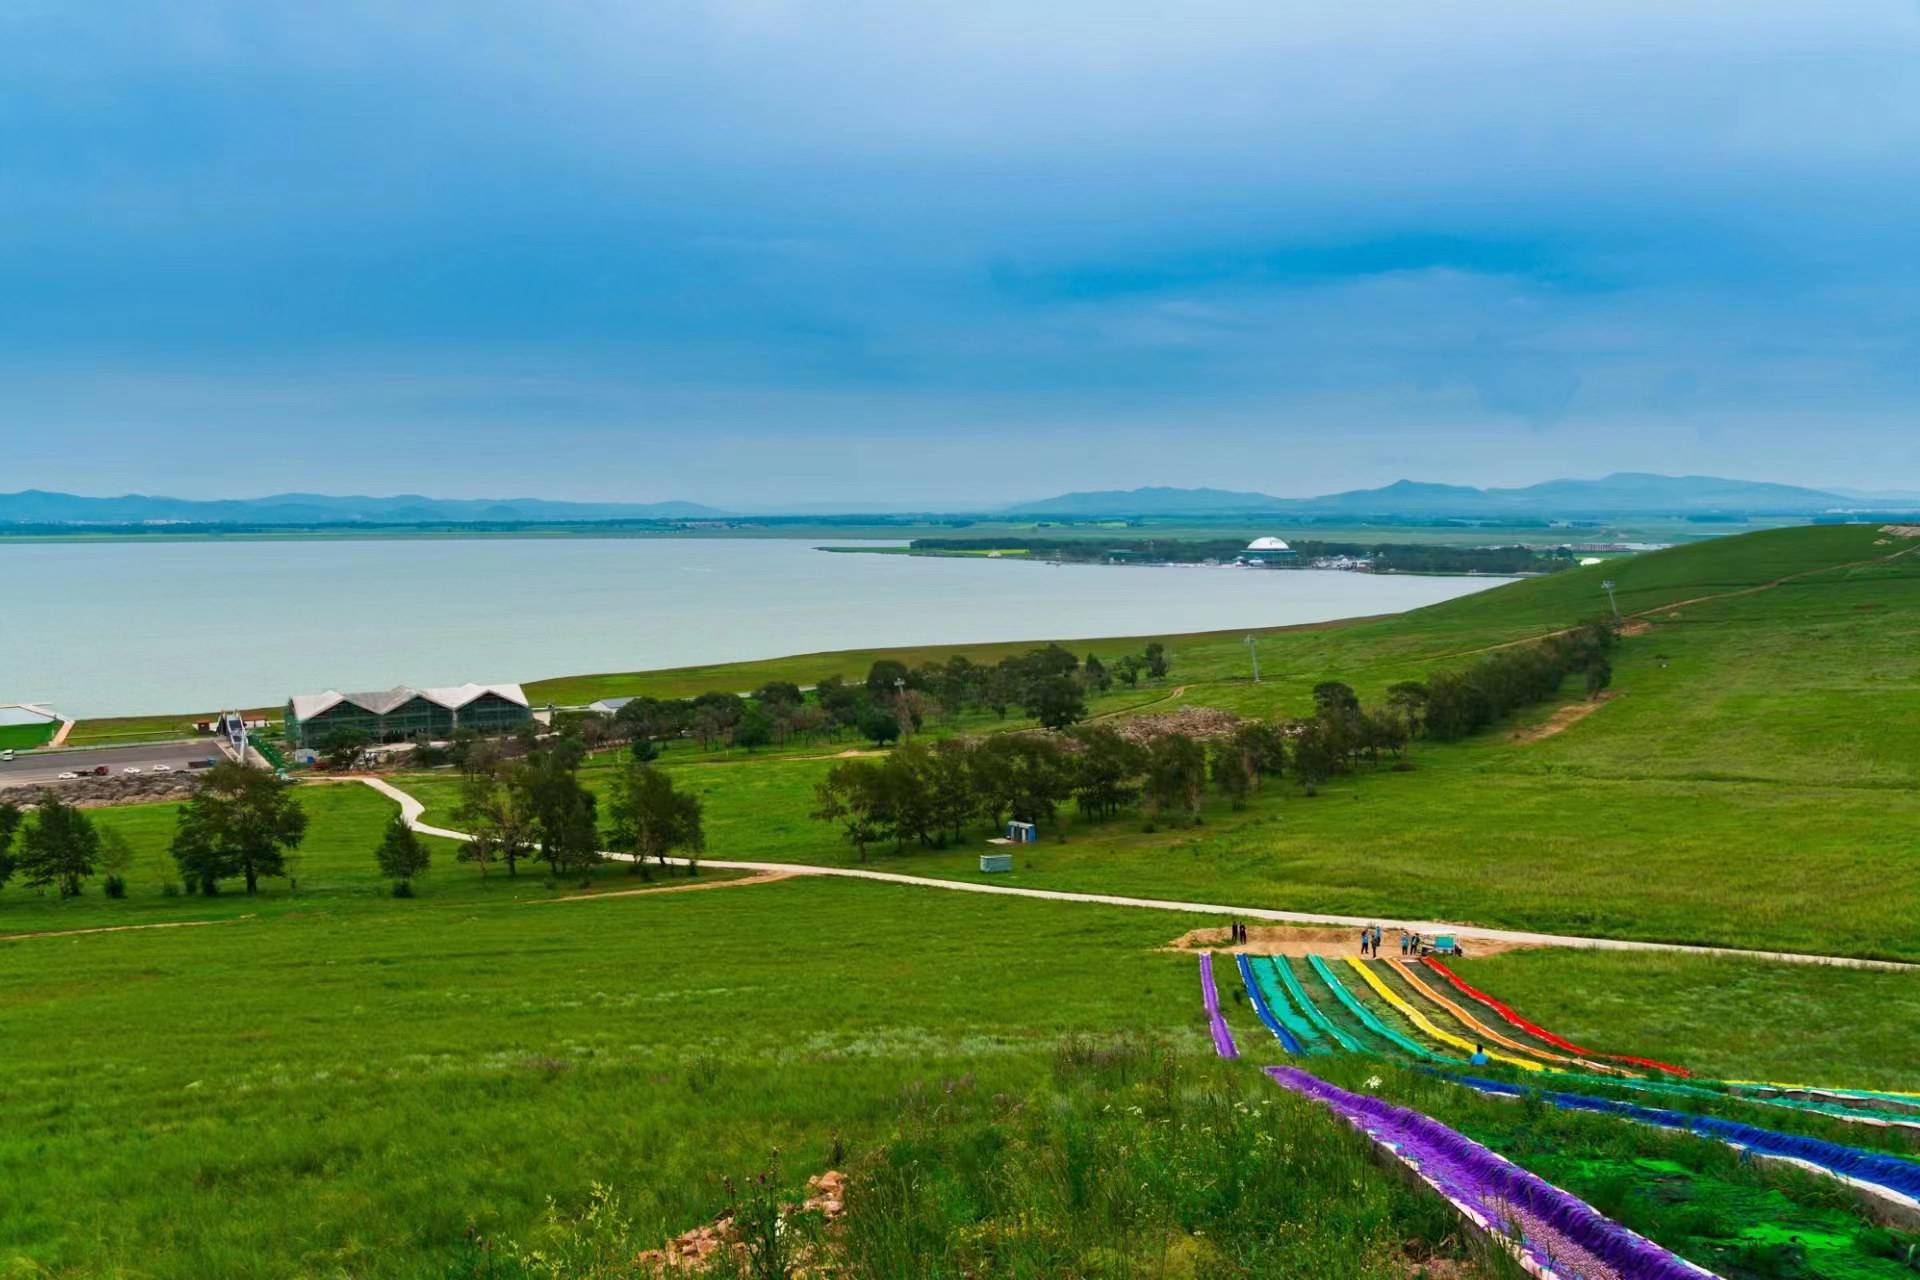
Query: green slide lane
1367,1017
1305,1032
1323,1026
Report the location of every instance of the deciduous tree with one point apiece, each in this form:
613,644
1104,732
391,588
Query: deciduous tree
239,822
58,846
402,855
652,818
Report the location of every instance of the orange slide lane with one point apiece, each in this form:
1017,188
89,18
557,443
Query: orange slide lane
1488,1033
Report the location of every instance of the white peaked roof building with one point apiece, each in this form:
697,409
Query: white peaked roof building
1268,544
406,712
453,697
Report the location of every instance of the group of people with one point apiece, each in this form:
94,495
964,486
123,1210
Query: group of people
1410,943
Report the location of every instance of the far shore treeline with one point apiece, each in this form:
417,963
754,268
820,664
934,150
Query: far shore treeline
1389,557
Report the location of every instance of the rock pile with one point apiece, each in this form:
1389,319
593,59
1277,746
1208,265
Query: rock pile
114,789
698,1251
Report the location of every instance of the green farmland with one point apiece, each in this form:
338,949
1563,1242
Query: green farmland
326,1081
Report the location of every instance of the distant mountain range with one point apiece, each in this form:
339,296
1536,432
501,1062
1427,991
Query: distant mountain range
34,506
1624,493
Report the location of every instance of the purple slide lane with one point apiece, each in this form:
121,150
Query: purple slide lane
1560,1235
1222,1037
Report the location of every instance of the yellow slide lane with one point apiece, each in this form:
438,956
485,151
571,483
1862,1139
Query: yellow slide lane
1425,1023
1486,1033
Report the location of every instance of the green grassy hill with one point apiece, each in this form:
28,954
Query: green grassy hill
1754,778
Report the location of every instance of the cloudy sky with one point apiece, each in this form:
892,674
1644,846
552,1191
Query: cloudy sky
886,254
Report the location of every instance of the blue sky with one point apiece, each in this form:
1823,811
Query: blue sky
766,254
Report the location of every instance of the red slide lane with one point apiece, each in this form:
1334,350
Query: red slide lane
1535,1029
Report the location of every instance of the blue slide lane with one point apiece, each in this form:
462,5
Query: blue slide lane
1286,1037
1891,1172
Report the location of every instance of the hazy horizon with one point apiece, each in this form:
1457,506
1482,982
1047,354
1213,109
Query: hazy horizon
867,256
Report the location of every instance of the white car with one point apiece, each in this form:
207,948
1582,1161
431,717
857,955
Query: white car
68,776
159,768
132,768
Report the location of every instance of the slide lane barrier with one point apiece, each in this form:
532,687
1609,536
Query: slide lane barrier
1672,1089
1539,1032
1281,1031
1210,996
1553,1235
1890,1182
1488,1034
1366,1018
1425,1023
1298,994
1869,1097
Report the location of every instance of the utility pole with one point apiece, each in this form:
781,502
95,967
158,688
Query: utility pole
1254,653
1607,585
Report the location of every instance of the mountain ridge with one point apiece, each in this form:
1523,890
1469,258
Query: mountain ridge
1621,493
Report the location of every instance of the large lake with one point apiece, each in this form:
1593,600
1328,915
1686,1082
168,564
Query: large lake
124,628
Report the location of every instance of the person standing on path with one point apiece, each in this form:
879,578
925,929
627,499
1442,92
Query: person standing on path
1365,934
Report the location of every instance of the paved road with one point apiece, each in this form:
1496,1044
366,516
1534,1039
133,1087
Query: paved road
36,768
411,809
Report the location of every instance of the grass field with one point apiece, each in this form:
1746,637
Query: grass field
335,1083
1755,780
23,737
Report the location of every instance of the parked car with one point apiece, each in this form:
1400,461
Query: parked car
68,776
7,754
161,768
132,768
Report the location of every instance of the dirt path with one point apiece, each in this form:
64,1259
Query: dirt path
1564,718
119,928
411,809
765,877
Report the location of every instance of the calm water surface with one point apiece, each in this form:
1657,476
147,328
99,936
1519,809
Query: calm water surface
126,628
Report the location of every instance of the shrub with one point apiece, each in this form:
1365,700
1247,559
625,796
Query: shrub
402,889
115,887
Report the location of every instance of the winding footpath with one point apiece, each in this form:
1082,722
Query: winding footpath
411,809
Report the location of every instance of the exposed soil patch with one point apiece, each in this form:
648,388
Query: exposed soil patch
706,1249
1902,530
1310,940
765,877
1564,718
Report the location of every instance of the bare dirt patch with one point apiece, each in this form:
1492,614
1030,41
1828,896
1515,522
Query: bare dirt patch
764,877
1902,530
1308,940
1563,718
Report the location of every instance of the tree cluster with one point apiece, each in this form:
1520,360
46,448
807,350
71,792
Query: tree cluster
536,806
1384,557
893,702
58,847
931,795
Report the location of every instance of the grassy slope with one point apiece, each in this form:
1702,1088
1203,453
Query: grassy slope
341,1091
1756,782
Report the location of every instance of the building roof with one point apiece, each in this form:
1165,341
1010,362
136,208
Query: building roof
609,704
1268,544
380,702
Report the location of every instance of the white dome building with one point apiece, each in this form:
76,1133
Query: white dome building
1265,551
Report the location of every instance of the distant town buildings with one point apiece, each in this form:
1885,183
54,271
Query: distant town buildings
392,715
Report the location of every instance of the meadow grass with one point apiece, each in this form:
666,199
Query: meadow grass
340,1091
1754,781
